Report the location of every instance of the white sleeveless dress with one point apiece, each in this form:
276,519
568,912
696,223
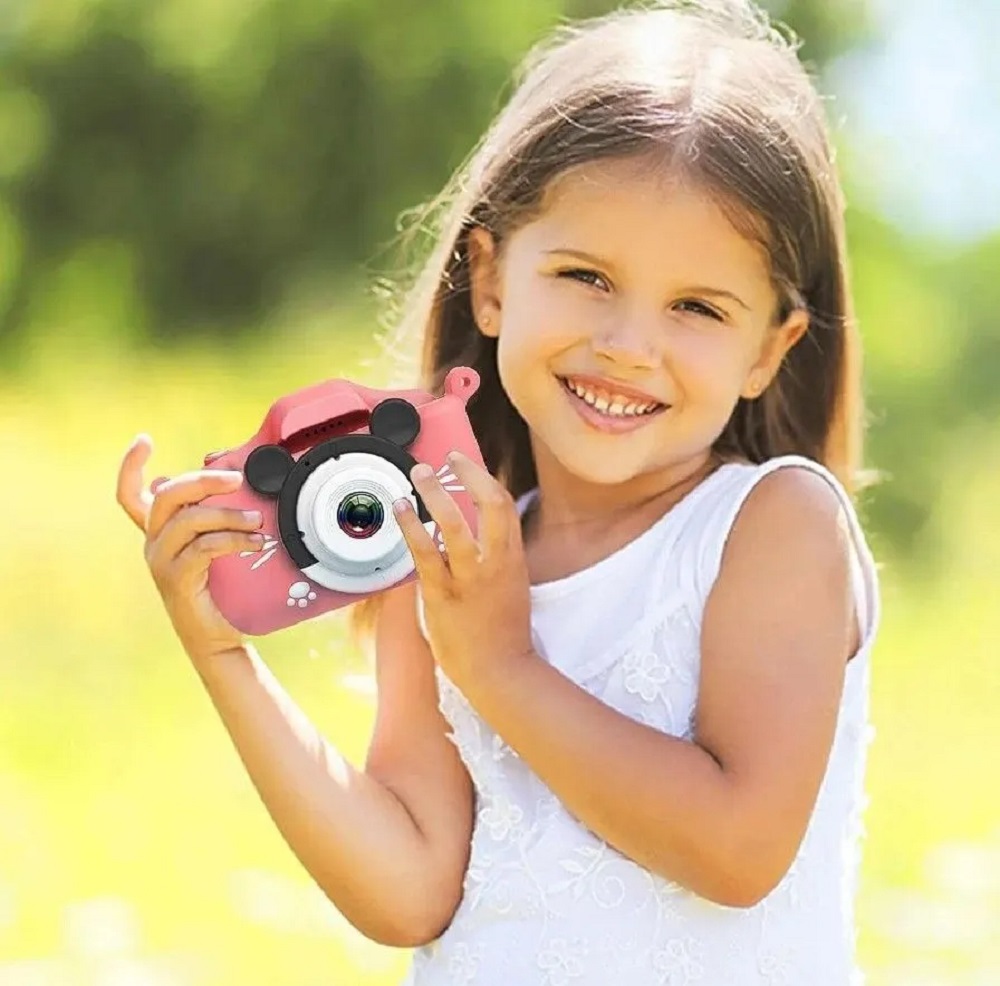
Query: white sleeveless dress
547,902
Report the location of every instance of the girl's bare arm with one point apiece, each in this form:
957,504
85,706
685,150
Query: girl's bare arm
389,843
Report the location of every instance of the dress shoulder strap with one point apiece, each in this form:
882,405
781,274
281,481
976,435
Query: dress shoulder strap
708,533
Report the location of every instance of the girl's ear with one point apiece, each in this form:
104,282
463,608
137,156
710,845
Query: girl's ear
484,281
775,348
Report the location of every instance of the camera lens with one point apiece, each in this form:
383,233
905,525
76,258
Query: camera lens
360,515
344,514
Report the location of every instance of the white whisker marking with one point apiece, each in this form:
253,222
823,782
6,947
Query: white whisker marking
260,561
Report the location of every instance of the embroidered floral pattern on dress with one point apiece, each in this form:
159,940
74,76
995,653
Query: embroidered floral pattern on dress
775,965
463,964
546,902
680,962
645,674
591,868
502,817
658,669
562,961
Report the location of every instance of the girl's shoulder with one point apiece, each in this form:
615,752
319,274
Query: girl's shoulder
793,483
779,497
783,475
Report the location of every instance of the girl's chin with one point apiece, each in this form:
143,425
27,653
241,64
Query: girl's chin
610,470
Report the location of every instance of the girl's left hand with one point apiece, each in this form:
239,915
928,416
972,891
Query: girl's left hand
477,600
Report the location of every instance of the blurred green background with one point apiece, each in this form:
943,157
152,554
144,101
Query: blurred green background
196,197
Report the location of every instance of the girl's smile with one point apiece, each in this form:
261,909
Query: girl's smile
609,406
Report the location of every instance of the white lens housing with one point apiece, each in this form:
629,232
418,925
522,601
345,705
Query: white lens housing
343,563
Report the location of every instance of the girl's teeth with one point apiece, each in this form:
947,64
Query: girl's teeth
619,408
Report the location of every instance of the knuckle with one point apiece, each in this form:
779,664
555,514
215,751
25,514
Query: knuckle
497,499
211,542
451,516
201,521
195,548
181,517
192,518
166,488
452,525
161,571
175,488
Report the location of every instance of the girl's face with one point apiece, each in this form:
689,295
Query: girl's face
631,316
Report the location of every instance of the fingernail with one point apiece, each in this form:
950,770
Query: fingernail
453,457
253,516
402,506
422,471
256,538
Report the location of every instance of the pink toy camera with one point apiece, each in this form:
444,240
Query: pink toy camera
324,470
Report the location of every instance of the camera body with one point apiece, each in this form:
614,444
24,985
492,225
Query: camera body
324,469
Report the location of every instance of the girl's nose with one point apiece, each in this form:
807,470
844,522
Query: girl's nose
627,344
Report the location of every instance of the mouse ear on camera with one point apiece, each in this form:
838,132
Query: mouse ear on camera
266,469
396,420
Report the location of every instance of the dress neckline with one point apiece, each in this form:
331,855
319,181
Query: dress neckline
555,588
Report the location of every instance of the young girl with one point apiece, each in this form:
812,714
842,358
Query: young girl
621,733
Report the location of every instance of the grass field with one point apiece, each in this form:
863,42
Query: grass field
133,850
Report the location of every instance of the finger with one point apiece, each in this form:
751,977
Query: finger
194,560
188,488
129,493
496,510
460,545
430,566
189,522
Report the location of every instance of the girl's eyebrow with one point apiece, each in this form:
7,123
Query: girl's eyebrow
718,293
579,254
696,289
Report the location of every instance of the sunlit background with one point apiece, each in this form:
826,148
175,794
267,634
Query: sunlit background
196,197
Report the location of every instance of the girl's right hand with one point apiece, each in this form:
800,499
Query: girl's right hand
182,538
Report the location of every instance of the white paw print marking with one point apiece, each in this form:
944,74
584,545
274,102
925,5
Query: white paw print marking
299,594
265,551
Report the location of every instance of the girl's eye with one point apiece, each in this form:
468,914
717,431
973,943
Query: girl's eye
585,276
699,308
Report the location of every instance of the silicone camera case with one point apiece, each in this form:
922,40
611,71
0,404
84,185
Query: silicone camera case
324,470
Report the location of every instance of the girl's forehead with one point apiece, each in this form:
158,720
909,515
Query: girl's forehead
627,189
629,208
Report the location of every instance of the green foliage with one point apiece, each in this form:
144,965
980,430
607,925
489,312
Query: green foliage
226,154
234,151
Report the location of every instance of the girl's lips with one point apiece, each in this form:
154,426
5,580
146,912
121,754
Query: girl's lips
610,424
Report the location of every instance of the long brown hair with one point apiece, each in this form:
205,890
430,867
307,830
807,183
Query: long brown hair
721,95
